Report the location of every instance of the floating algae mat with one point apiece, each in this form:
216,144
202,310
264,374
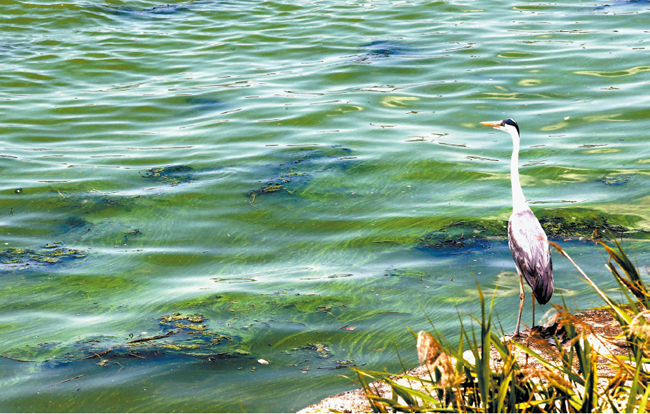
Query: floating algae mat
303,165
185,336
54,253
172,175
463,236
585,223
81,210
322,350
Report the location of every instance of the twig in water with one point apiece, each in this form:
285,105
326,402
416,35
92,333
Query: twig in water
121,367
153,338
69,379
137,356
96,355
252,201
16,359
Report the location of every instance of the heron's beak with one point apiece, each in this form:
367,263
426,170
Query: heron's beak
493,124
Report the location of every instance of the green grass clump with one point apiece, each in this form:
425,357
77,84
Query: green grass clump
567,377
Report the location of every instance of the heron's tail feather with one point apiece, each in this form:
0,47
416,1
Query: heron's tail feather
543,287
543,293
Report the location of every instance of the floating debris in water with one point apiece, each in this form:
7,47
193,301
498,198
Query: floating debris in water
334,276
339,275
476,157
173,175
233,279
609,180
592,145
322,350
133,233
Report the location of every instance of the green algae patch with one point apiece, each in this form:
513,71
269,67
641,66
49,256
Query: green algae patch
322,350
303,165
586,223
182,336
172,175
178,338
82,202
82,212
178,317
51,254
464,235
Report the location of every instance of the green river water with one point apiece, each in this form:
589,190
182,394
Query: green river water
298,181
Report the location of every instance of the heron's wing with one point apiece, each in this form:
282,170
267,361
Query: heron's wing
529,247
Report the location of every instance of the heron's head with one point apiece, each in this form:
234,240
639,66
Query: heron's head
507,125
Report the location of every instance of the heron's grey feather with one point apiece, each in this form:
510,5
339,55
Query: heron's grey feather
530,250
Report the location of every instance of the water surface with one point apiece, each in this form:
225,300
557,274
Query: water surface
273,166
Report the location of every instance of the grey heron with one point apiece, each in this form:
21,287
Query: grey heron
526,238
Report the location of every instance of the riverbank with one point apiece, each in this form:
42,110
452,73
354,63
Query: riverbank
600,325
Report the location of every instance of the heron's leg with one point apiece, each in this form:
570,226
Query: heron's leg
521,301
532,295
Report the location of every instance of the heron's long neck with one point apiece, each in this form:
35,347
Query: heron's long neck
518,199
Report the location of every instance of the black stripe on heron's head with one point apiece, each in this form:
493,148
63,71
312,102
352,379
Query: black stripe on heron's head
512,122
